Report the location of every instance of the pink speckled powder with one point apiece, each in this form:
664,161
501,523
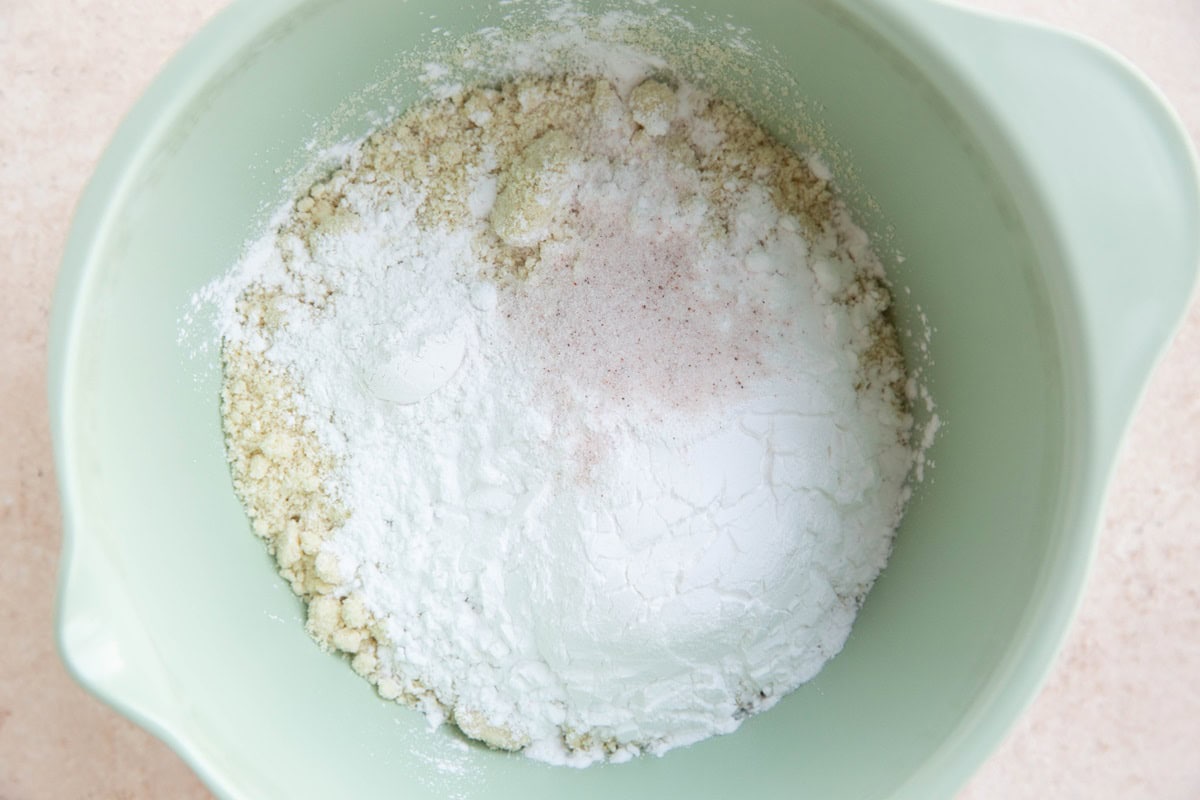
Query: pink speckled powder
624,318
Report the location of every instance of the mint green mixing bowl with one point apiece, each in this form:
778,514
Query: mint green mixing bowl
1046,203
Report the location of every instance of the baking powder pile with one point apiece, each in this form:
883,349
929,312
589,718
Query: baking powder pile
572,409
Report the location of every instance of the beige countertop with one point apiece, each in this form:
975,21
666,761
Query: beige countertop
1118,718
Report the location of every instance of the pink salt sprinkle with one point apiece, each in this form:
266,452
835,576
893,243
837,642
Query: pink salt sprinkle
627,319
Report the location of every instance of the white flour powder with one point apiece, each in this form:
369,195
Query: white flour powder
573,413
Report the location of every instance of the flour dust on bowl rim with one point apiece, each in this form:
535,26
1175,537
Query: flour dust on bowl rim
971,145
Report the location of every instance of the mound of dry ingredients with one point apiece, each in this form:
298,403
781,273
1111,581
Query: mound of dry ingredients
573,412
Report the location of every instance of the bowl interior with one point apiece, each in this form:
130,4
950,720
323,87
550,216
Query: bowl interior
242,691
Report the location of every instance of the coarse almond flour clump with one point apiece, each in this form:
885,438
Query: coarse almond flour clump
575,417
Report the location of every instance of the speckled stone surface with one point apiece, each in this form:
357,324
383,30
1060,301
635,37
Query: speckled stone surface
1118,718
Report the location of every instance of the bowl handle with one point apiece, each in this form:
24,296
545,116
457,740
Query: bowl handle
1114,166
100,635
